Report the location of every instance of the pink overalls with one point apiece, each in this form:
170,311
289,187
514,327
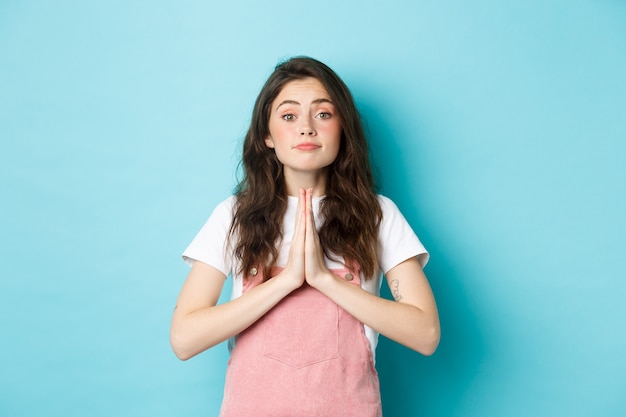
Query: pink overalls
306,357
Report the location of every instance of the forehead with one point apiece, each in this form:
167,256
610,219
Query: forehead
307,89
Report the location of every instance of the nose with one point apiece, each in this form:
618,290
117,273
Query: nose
307,130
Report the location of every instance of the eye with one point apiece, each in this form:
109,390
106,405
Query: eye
289,117
324,115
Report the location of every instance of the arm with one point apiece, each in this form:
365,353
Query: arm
199,324
411,319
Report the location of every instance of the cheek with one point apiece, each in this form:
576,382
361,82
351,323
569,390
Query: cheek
333,131
279,132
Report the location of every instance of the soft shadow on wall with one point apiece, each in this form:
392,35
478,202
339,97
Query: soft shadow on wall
411,384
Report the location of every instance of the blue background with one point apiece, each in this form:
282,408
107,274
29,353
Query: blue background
499,128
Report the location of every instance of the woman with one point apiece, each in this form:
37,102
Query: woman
305,239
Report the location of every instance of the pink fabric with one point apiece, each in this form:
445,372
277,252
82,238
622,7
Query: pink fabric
307,357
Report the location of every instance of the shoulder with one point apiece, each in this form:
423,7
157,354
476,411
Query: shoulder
382,200
225,207
391,214
387,205
228,202
222,214
396,238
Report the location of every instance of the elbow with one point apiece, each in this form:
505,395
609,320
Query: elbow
429,349
179,347
186,343
432,341
429,341
183,356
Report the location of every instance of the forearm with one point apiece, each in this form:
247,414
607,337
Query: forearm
402,322
198,330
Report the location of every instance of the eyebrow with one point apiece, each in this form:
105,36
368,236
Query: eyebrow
316,101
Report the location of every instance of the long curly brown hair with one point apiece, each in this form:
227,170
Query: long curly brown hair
350,210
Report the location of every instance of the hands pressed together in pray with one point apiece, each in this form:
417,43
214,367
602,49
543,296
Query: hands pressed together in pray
306,255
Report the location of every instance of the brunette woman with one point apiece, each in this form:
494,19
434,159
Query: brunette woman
306,241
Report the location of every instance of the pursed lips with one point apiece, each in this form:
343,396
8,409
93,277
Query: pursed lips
307,146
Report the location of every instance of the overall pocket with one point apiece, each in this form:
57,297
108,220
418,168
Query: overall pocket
302,329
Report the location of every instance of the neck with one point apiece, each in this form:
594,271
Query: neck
294,181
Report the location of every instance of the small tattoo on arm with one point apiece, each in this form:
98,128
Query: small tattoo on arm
395,290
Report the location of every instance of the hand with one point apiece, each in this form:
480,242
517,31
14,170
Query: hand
306,256
294,271
315,270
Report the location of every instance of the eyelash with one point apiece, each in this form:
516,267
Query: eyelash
321,115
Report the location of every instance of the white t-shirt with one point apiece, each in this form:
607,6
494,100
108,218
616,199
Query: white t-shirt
396,243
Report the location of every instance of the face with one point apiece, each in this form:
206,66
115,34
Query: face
305,129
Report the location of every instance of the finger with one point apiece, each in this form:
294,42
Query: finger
303,209
298,238
299,208
300,217
311,231
309,209
312,244
296,223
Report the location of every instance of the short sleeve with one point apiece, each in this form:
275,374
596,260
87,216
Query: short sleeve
209,245
397,241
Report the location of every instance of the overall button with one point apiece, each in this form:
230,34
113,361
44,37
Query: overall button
349,277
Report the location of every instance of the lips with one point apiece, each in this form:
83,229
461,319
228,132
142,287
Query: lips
307,146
